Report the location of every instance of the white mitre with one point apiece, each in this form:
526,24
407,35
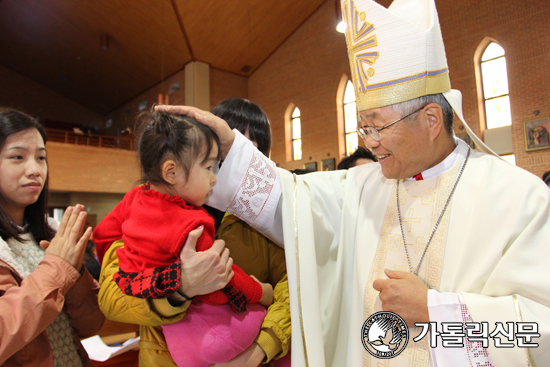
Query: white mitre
397,54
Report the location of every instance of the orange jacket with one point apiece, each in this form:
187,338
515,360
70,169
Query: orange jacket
28,306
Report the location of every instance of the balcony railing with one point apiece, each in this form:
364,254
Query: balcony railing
93,140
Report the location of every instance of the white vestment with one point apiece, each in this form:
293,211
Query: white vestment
339,229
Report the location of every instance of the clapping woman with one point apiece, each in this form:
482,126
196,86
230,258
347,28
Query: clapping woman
48,300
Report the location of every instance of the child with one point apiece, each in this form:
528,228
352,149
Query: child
177,156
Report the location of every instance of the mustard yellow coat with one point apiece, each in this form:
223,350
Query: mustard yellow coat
251,251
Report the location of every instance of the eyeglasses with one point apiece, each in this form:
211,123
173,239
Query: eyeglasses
375,132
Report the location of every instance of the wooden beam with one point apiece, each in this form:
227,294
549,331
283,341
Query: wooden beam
182,28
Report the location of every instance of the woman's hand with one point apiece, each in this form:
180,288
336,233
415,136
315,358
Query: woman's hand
69,243
267,293
220,127
206,271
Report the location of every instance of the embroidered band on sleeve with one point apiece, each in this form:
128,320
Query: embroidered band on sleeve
255,189
479,356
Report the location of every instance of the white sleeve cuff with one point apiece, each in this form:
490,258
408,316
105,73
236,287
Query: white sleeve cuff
249,186
229,176
450,308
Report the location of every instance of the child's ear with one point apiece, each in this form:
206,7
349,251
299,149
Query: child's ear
169,171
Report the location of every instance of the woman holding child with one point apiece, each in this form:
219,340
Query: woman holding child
179,166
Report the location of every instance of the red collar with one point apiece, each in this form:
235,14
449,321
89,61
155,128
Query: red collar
418,177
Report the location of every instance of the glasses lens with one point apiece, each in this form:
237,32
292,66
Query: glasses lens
374,133
362,132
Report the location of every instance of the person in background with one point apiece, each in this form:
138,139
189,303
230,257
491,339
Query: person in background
48,300
252,251
91,262
251,121
357,158
546,178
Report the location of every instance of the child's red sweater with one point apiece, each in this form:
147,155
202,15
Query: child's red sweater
154,227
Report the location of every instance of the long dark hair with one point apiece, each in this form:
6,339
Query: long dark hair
11,122
241,114
166,136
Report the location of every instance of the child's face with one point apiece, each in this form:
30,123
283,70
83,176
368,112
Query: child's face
198,187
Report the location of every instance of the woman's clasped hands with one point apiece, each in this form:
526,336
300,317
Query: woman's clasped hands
70,242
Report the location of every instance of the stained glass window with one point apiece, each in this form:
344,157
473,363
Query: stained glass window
495,87
296,131
350,119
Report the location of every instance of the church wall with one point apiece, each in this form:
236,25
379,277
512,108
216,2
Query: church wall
306,69
97,205
520,27
81,168
125,115
224,85
24,94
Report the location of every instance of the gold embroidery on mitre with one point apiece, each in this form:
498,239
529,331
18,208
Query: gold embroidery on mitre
404,90
359,39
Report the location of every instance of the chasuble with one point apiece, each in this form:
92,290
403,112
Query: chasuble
486,262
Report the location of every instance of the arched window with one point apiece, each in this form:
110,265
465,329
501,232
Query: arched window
296,133
495,87
350,119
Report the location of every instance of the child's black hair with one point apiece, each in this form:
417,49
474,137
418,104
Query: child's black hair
166,136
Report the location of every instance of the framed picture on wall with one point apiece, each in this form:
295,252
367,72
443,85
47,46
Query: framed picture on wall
329,164
312,166
536,133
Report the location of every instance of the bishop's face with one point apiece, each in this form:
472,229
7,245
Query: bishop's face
401,150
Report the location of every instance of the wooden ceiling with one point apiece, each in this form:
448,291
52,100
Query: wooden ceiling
57,42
